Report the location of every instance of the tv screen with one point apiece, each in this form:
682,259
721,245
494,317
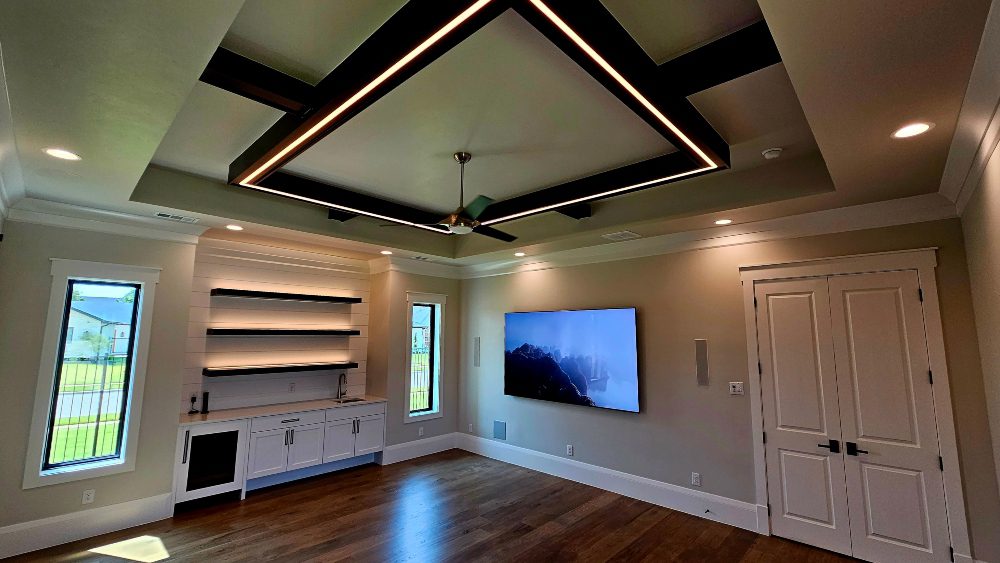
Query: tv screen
585,357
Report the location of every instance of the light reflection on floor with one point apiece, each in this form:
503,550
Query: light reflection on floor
147,549
415,519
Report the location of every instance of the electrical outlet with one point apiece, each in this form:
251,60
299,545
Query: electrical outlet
291,387
569,449
696,479
88,496
420,431
735,387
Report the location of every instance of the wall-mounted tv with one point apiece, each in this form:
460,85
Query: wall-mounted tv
585,357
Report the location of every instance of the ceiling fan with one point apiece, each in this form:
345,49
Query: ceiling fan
464,219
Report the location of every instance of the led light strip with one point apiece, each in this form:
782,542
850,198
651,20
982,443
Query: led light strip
596,196
547,12
430,41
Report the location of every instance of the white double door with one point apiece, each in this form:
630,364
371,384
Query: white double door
851,436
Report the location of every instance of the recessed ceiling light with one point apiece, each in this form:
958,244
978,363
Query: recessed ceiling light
387,252
519,254
62,154
723,221
912,130
234,227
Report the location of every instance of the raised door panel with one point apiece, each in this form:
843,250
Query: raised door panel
806,486
268,453
339,440
894,482
371,434
305,446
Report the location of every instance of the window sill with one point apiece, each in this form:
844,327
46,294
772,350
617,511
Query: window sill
422,416
77,473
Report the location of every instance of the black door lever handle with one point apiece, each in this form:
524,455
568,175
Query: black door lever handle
852,449
833,446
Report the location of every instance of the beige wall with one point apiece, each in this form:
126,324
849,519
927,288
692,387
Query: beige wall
682,427
387,351
981,224
25,282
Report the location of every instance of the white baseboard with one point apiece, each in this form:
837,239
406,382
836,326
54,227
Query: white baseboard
418,448
705,505
47,532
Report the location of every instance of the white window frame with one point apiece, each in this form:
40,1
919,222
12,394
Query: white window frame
438,392
62,272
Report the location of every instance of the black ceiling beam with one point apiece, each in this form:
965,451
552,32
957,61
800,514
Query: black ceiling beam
338,215
602,31
251,79
320,192
638,173
404,31
578,211
739,53
493,233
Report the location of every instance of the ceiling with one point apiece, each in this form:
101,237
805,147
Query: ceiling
118,83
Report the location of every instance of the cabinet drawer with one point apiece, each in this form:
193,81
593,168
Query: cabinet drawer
354,411
263,423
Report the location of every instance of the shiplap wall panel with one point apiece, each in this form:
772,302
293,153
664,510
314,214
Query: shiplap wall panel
267,268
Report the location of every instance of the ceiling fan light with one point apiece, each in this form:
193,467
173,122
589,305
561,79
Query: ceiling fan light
460,229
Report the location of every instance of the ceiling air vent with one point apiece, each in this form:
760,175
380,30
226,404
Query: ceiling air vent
178,218
621,235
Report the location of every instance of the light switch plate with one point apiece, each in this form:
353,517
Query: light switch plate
735,387
88,496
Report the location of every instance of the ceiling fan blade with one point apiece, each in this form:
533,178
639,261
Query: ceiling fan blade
478,205
491,232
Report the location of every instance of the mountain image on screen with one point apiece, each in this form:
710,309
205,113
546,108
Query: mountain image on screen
575,357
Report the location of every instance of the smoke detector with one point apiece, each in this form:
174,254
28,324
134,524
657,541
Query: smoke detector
178,218
771,153
621,235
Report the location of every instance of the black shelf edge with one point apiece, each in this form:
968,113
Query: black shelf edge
275,368
281,332
227,292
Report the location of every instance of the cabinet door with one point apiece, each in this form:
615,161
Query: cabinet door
268,453
339,440
211,459
371,434
305,446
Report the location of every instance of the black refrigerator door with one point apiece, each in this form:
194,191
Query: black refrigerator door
212,459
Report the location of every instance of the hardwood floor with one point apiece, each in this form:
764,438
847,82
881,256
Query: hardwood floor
453,506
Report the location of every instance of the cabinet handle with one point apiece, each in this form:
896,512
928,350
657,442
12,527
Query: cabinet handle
286,437
187,439
292,440
354,426
852,449
833,445
289,420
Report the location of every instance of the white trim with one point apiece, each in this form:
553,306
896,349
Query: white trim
438,367
62,271
916,209
419,448
56,530
924,261
11,175
977,133
697,503
55,214
411,266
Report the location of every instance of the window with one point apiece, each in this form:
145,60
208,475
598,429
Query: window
90,394
86,415
425,314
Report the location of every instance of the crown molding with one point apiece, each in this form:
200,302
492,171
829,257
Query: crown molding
916,209
411,266
977,133
54,214
11,179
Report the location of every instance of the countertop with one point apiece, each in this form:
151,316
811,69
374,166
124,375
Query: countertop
265,410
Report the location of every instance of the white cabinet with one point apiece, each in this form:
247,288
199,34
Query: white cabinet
210,459
339,441
370,435
305,446
268,453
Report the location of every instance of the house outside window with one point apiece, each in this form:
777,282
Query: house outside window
425,322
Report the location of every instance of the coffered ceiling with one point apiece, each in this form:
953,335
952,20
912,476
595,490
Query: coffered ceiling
129,100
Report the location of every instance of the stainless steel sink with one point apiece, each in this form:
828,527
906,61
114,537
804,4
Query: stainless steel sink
347,400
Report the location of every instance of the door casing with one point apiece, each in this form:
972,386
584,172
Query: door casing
924,262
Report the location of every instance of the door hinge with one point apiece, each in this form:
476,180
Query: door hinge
941,463
764,434
755,302
760,370
920,293
951,553
768,509
930,377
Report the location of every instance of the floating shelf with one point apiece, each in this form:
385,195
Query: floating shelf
274,368
282,332
226,292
